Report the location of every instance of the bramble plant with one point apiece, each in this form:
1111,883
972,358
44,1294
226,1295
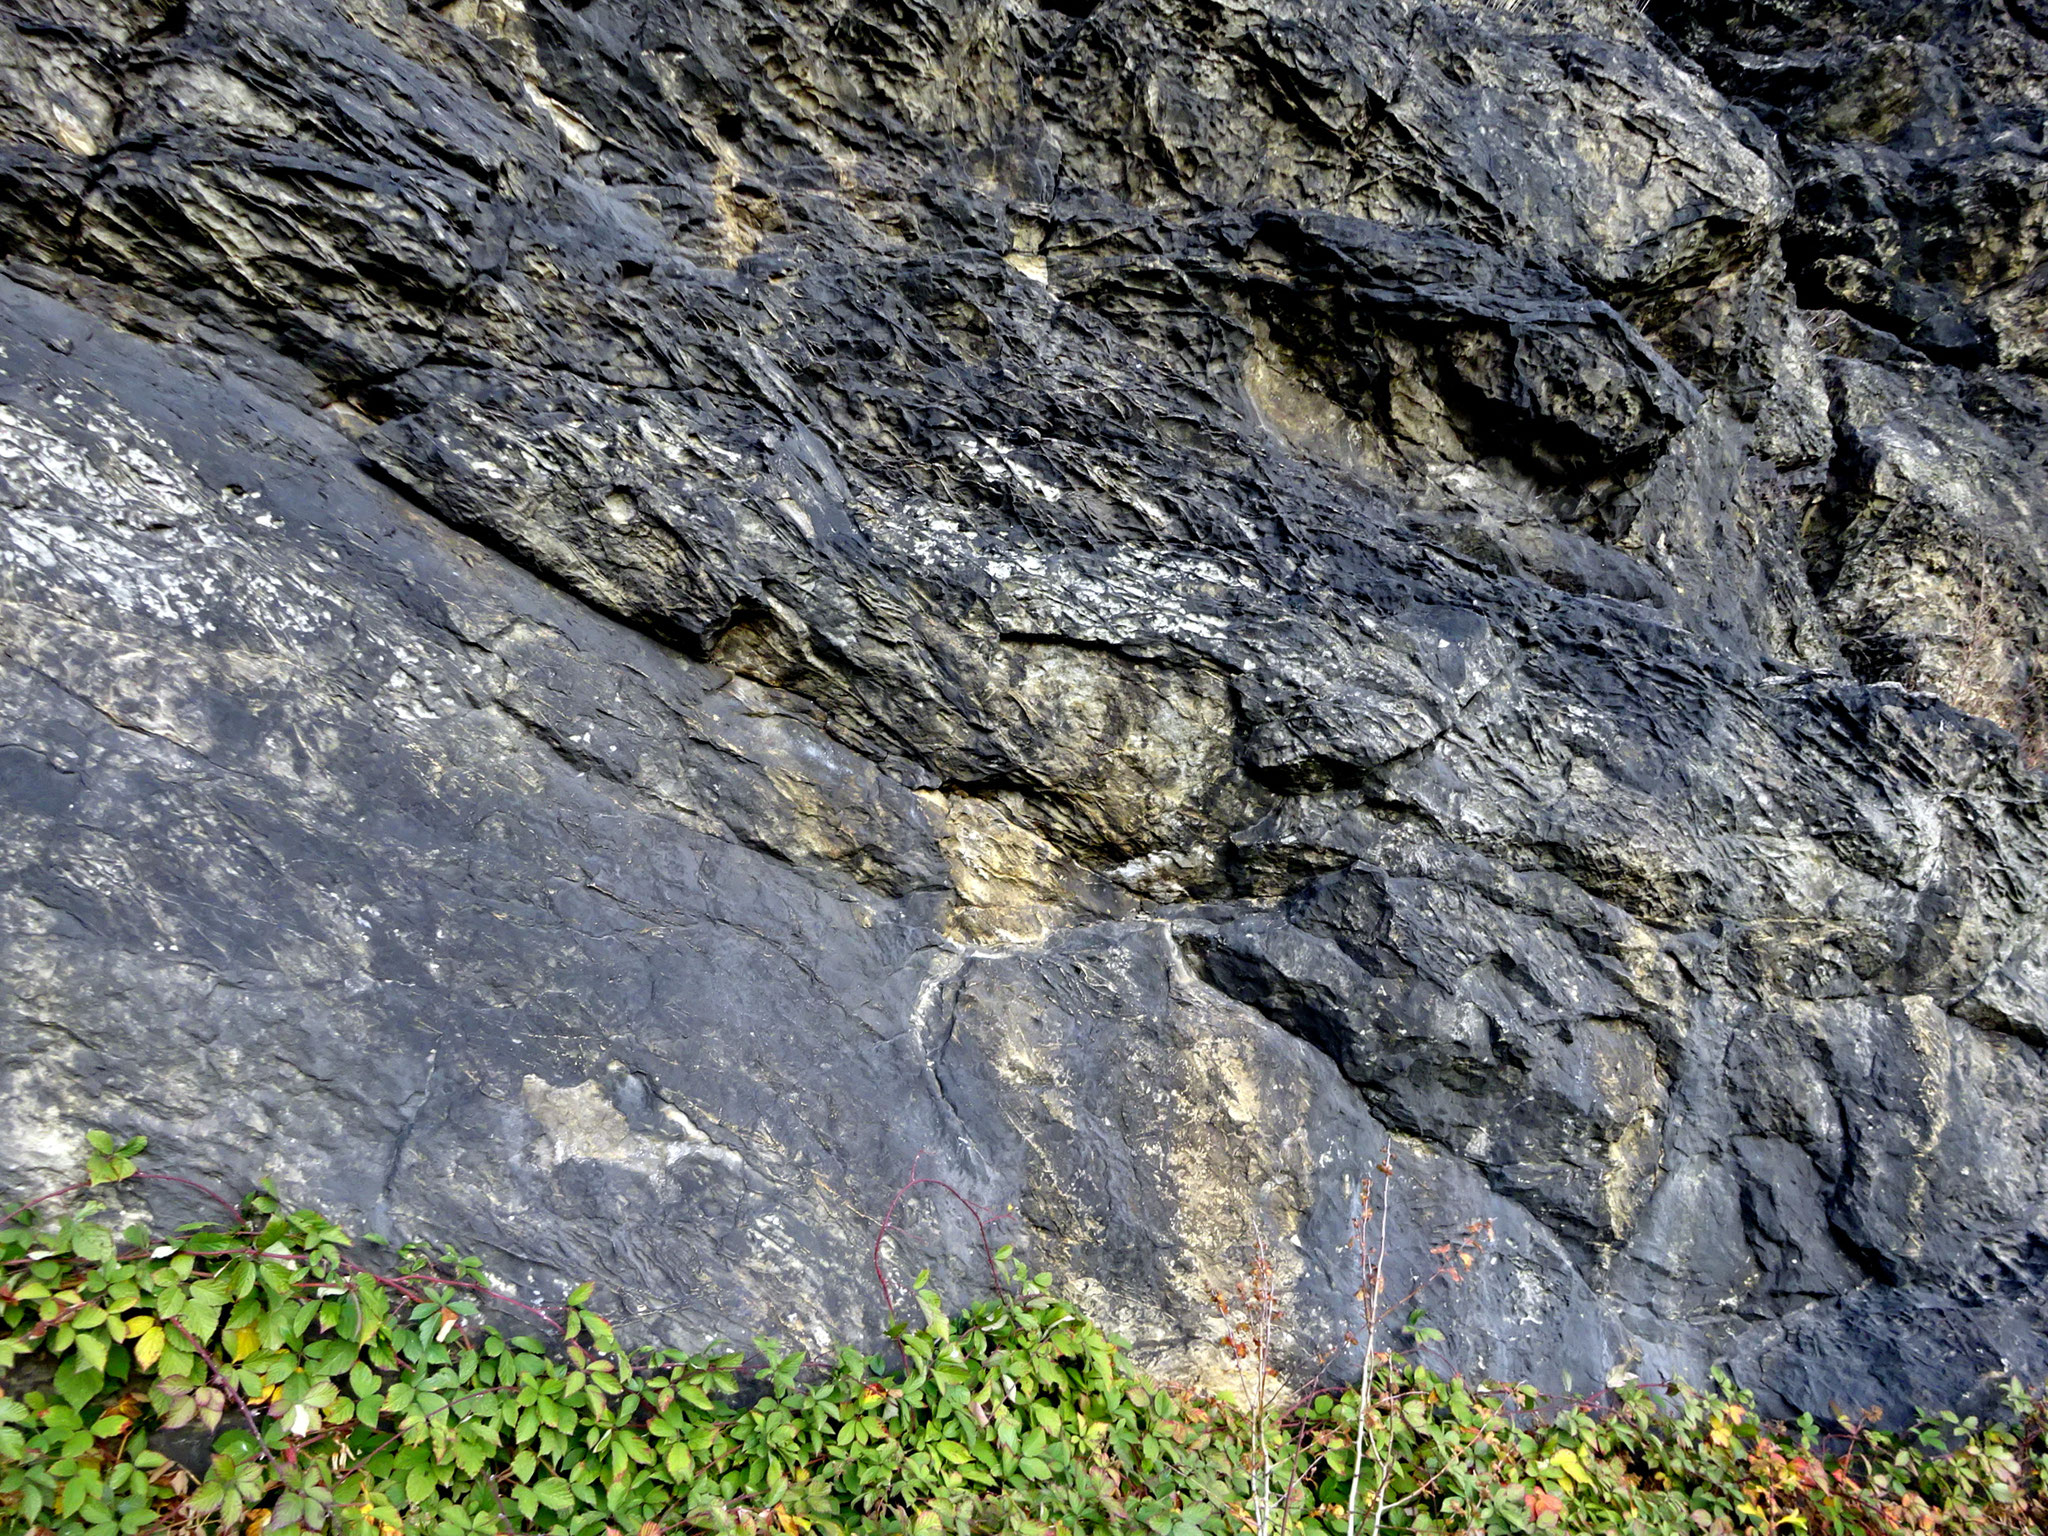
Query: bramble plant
334,1396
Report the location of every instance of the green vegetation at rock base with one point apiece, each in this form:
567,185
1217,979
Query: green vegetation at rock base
344,1399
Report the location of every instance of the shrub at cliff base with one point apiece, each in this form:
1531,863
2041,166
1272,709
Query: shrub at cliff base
303,1390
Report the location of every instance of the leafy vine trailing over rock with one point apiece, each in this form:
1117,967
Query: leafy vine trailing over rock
253,1375
616,614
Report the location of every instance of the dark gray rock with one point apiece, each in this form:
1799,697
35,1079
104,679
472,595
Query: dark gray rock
625,623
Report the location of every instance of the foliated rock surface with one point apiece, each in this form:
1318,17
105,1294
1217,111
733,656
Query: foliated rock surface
624,625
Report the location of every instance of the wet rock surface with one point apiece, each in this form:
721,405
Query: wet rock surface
625,622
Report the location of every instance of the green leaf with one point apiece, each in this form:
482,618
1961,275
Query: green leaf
78,1383
92,1349
556,1494
200,1319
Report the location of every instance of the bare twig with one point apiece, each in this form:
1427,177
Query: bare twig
1372,1279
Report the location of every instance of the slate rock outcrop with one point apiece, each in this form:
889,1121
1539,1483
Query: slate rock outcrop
627,624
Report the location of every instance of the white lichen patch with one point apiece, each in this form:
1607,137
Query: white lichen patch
1001,466
110,511
580,1122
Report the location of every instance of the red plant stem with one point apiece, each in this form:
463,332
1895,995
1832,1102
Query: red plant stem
396,1283
160,1178
226,1385
467,1285
390,1282
68,1189
981,1214
193,1184
378,1448
59,1320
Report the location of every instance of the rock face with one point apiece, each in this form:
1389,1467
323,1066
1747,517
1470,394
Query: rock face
626,623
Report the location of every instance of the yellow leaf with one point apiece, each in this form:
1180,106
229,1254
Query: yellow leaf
149,1347
242,1343
1567,1461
